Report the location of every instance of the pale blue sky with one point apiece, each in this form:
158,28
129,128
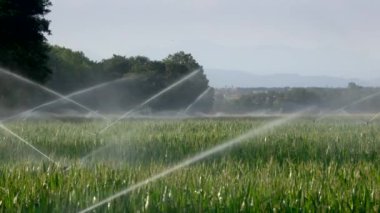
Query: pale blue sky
308,37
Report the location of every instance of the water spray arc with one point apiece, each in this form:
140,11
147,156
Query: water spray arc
218,149
197,99
49,91
201,156
126,114
61,97
343,109
80,92
374,117
26,142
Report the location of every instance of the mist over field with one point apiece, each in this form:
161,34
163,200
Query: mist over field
189,106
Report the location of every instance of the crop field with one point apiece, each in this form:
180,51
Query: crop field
332,164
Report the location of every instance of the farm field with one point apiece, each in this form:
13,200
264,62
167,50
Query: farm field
332,164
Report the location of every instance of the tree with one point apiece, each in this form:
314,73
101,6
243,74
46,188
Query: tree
177,66
23,46
71,70
182,58
353,85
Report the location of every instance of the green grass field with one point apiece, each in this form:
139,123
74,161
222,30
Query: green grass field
330,165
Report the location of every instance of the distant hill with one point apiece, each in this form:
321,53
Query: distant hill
232,78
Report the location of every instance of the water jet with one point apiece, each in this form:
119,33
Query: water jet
201,156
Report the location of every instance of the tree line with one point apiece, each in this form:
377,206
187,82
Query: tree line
72,71
244,100
139,78
24,50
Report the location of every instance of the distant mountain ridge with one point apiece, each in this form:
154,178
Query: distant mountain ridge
230,78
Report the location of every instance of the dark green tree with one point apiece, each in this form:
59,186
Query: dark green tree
23,46
115,67
182,58
177,66
71,70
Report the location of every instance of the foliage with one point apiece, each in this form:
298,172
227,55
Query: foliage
293,99
23,46
184,59
73,71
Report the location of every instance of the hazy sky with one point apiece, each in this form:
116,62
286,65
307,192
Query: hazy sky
309,37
